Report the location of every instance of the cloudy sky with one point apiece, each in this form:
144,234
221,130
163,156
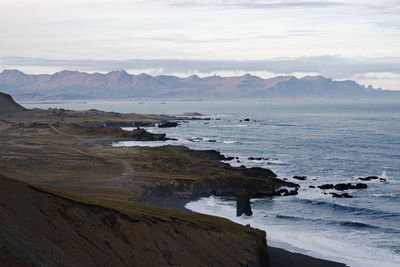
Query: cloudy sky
356,39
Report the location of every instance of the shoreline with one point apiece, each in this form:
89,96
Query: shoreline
279,257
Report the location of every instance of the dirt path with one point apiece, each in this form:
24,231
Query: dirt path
62,133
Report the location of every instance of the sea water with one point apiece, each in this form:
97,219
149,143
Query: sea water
329,142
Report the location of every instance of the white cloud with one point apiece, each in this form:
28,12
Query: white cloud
211,34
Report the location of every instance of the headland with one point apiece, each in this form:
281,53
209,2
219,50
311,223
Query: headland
72,199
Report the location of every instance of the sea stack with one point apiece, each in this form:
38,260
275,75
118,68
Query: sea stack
243,204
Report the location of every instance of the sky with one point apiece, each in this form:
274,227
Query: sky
357,40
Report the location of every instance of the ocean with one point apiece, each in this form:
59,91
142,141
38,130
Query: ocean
329,142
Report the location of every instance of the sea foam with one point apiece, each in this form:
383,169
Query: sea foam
353,253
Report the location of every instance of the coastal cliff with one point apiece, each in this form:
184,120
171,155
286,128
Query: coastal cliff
53,228
73,203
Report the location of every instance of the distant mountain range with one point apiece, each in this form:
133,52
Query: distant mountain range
66,85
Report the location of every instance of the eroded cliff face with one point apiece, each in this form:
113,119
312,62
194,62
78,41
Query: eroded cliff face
43,229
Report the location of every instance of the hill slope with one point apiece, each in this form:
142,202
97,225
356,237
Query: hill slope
44,229
120,84
8,105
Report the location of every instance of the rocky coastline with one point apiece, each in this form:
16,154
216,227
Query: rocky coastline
63,158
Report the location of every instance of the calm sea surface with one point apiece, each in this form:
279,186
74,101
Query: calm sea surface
327,142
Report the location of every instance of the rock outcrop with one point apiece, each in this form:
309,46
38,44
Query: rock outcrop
168,125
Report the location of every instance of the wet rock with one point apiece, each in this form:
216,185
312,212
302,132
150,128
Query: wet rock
284,183
247,119
368,178
343,186
229,158
282,192
345,195
382,180
311,186
168,124
243,204
285,192
361,186
301,178
326,186
258,158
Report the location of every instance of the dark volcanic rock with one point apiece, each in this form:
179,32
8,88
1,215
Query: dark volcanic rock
168,124
255,187
284,182
301,178
368,178
343,186
243,204
345,195
282,192
258,158
260,172
247,119
208,154
311,186
382,180
285,192
201,154
348,186
361,186
143,135
326,186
